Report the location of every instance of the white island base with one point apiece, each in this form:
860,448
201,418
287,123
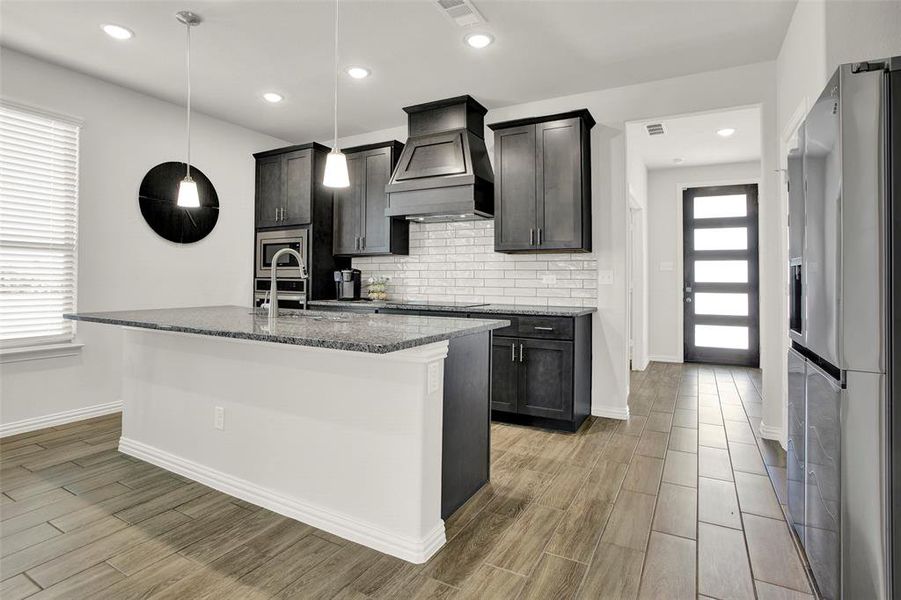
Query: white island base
348,442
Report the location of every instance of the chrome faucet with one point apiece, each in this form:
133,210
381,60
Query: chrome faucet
273,280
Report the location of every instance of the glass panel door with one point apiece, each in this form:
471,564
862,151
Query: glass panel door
720,293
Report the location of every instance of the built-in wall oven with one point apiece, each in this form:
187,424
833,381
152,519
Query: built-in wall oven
292,289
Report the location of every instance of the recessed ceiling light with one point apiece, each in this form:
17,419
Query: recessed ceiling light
117,32
273,97
358,72
479,40
678,161
725,132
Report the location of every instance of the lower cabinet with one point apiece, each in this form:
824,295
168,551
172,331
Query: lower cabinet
543,382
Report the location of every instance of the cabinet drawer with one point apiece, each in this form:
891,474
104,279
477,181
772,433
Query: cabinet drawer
510,330
549,328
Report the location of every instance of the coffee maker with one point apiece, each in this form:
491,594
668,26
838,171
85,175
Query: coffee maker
347,284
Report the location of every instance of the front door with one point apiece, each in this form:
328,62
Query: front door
720,287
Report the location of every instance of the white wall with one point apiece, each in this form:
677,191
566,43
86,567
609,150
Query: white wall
740,86
122,263
665,247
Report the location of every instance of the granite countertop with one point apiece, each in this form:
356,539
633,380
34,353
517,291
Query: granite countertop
510,309
357,332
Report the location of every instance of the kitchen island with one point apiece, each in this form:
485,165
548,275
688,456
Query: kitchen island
372,427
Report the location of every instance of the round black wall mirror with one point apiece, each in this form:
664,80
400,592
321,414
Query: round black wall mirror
158,197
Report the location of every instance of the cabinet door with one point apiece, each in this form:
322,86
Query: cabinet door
514,222
298,187
348,209
545,378
269,190
375,225
504,373
559,183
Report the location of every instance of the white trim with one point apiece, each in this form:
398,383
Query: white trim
11,355
664,358
411,550
60,418
610,412
43,112
772,433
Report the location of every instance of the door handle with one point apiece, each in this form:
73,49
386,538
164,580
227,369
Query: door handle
688,299
520,353
513,352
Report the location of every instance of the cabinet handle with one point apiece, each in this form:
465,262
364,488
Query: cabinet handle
276,214
539,236
520,353
537,328
531,237
513,352
362,242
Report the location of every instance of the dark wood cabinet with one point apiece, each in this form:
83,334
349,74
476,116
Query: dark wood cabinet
541,370
289,195
361,227
269,188
287,186
515,221
505,374
545,379
543,183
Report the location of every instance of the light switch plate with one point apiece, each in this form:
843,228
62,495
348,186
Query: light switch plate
219,418
605,277
666,266
434,377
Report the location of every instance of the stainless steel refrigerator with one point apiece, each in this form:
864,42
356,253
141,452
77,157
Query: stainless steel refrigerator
844,298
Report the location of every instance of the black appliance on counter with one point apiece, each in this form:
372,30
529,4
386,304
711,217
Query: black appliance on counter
347,284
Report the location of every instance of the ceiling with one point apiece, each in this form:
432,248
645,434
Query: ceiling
543,49
693,139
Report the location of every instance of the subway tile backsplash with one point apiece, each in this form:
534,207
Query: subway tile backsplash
457,262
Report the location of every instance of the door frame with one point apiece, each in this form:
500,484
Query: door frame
680,244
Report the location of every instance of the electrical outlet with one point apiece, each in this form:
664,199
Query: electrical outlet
605,277
219,418
549,279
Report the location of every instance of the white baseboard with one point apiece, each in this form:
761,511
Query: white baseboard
610,412
60,418
772,433
412,550
665,359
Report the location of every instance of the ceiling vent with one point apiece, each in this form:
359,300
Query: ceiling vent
655,129
461,12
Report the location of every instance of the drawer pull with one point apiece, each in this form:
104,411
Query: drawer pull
537,328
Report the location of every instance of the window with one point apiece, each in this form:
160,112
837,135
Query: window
38,227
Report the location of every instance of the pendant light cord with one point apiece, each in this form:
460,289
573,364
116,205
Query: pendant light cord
188,65
335,145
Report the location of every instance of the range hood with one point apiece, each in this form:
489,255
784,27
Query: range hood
443,173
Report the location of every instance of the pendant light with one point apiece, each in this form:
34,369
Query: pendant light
336,163
187,188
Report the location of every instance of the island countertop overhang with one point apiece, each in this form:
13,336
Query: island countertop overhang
368,333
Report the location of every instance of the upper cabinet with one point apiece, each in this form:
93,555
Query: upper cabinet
289,185
542,184
361,227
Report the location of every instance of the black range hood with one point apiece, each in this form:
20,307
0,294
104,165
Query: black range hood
443,173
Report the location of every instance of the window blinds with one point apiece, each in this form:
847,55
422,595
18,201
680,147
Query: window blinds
38,227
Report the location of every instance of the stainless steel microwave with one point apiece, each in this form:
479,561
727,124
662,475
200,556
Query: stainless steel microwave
270,242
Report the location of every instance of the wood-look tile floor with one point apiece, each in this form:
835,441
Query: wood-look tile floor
674,503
